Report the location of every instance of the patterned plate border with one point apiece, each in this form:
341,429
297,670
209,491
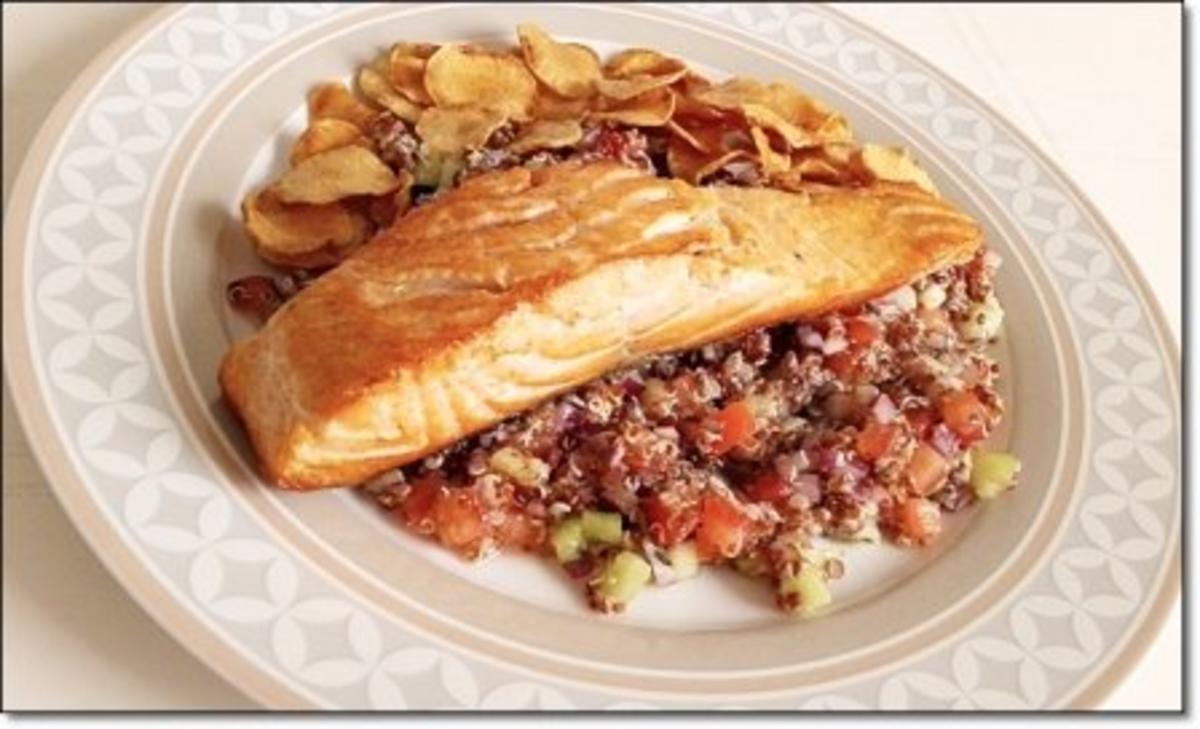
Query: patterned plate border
107,439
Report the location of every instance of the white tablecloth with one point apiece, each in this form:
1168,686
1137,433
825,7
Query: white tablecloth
1096,85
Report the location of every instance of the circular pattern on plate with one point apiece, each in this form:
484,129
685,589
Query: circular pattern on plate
1042,646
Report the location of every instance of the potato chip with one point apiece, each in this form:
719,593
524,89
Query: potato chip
546,134
832,164
652,109
570,69
335,174
376,87
550,106
637,71
406,67
694,166
334,101
451,131
894,164
773,162
758,115
644,62
304,236
456,77
682,132
384,209
323,135
780,107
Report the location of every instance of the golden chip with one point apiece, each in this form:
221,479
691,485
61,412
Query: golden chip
570,69
787,103
643,62
335,174
895,164
807,112
773,163
758,115
450,131
692,165
652,109
546,134
406,66
384,209
334,101
323,135
376,87
638,70
304,236
456,77
831,164
551,106
683,133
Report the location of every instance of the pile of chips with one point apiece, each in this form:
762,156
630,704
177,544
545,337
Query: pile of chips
338,190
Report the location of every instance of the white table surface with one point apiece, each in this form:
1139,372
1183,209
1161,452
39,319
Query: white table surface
1108,111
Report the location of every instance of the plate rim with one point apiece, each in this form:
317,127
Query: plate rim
143,585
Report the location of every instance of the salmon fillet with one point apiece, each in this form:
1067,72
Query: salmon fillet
523,284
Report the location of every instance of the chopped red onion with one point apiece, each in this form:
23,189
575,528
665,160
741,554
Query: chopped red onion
834,344
884,409
943,440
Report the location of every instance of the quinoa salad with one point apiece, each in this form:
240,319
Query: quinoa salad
861,425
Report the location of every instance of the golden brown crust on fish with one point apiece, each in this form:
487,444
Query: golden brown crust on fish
523,284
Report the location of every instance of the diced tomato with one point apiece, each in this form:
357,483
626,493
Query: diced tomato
922,421
843,363
965,415
722,530
460,520
770,487
417,509
669,521
519,531
927,470
861,333
920,520
736,425
875,440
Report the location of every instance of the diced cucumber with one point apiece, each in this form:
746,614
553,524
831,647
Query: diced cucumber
684,561
623,578
993,473
567,540
602,527
807,589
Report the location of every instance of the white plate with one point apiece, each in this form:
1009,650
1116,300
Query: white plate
124,227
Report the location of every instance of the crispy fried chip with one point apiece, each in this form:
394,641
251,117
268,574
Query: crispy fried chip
334,101
683,133
406,67
323,135
644,62
692,165
569,69
375,86
546,134
550,106
637,71
780,107
450,131
773,163
384,209
829,164
305,236
335,174
894,164
758,115
456,77
652,109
